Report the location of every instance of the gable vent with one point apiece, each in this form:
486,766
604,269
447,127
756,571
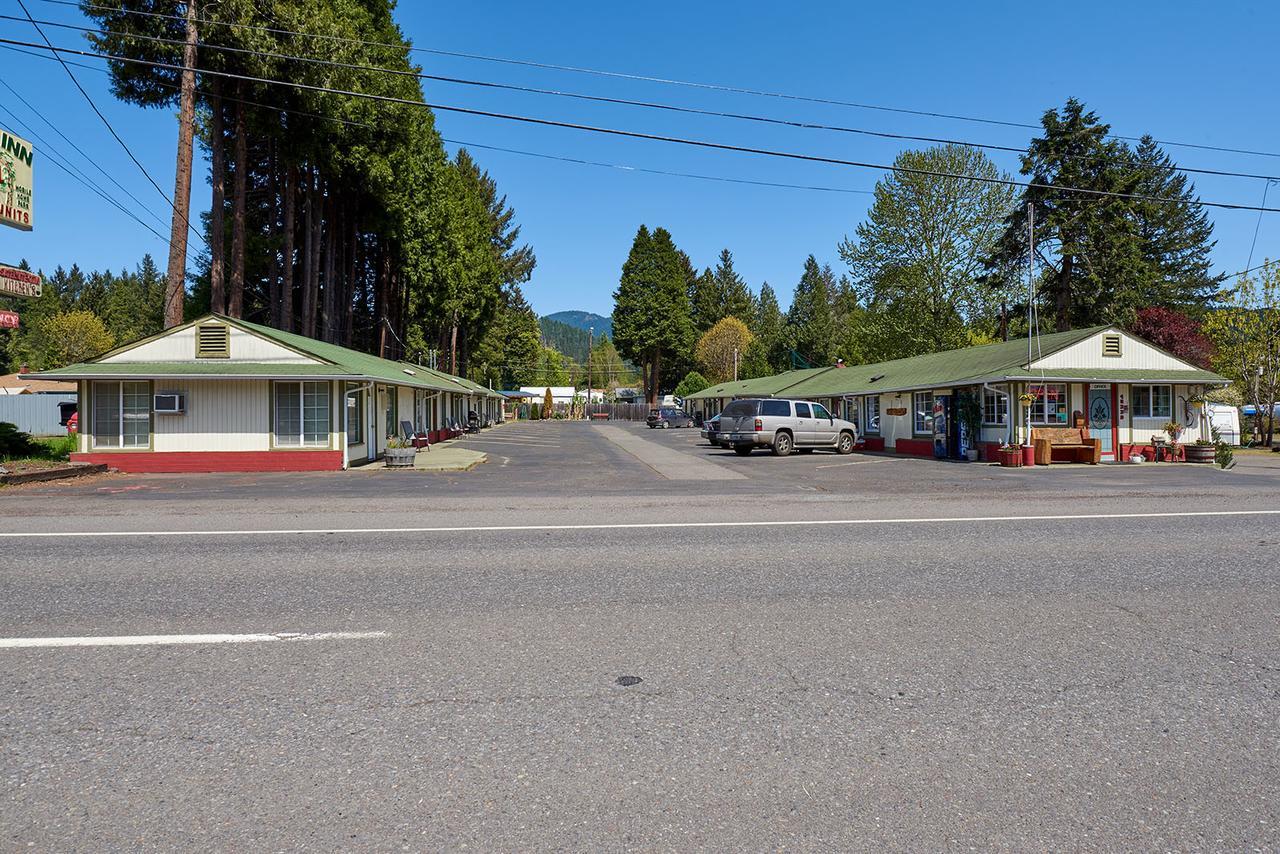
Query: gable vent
213,341
1111,345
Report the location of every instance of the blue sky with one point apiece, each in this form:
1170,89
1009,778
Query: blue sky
1182,71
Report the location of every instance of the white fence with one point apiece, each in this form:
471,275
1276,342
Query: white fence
37,414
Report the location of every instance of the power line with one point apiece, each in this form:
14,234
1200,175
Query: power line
1254,245
624,168
478,145
78,175
76,148
108,124
696,143
716,87
601,99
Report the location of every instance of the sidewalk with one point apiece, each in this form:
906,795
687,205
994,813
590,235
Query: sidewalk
447,456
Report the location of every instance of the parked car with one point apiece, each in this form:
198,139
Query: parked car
668,417
783,426
711,430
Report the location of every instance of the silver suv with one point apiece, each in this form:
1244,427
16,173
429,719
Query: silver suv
784,426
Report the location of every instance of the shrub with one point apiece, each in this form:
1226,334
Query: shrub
15,443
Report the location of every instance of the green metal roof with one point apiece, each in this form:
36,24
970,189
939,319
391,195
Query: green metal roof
1005,360
339,362
759,386
93,370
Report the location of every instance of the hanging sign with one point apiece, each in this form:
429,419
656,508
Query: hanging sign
16,159
19,283
8,320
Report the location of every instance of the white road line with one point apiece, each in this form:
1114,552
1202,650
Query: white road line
623,526
853,463
166,640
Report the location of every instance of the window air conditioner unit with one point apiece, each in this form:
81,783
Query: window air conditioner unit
170,403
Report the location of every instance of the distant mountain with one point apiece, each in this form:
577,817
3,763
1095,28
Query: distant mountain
570,340
584,320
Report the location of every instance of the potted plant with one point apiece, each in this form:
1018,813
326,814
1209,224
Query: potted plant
1010,456
399,453
1201,451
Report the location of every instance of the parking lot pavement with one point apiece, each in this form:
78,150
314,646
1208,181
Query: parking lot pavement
558,471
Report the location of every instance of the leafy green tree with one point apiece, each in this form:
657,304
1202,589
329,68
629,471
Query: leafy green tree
718,294
74,336
608,370
1245,333
918,258
1103,255
1176,236
722,347
768,352
651,321
548,404
811,321
692,383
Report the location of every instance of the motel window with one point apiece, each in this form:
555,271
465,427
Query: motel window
122,414
995,406
1152,401
355,418
1050,405
923,424
871,422
302,414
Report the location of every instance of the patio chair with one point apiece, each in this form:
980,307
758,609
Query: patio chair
418,440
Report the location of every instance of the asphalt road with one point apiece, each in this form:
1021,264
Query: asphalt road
1106,679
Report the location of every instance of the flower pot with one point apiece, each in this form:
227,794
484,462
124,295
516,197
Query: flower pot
1011,458
1028,455
1199,453
399,457
972,454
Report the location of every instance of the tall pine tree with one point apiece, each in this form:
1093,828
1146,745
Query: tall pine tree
651,322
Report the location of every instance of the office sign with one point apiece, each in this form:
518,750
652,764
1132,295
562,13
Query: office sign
8,320
19,283
16,160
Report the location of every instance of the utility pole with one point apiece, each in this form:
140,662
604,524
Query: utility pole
591,342
176,283
735,364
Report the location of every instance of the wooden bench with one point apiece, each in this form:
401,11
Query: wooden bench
1065,444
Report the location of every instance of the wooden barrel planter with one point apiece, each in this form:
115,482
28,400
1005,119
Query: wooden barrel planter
1200,453
398,458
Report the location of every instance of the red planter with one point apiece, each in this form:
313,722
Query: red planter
1010,459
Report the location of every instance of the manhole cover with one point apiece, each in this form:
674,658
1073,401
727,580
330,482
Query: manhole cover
628,681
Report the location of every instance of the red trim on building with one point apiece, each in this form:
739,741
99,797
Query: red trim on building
990,451
873,443
914,447
152,462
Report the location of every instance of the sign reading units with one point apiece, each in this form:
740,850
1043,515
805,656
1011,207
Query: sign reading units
16,158
19,283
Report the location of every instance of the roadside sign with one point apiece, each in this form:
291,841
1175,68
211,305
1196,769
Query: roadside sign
8,320
16,196
19,283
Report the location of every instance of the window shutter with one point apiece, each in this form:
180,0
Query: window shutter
1111,345
213,341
